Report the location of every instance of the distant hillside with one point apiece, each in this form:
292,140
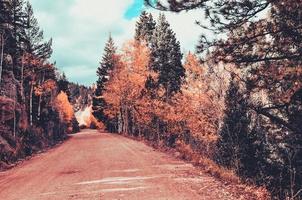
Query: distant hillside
80,96
81,99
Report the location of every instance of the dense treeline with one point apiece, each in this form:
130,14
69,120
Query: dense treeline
80,96
239,104
35,112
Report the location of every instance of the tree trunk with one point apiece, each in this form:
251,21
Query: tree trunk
40,98
13,97
39,107
22,70
119,121
126,120
158,131
134,123
31,104
123,120
1,56
15,119
139,132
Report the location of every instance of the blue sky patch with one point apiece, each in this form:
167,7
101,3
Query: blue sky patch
135,9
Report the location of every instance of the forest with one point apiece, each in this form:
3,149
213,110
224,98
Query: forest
36,112
233,107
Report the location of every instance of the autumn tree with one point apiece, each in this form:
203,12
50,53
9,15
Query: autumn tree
267,46
44,93
127,82
263,39
65,109
24,42
193,114
35,73
199,97
28,83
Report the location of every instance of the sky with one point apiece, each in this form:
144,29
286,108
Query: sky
80,29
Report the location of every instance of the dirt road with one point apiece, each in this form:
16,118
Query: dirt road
93,165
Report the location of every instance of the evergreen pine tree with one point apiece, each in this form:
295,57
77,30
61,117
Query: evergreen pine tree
63,85
145,27
255,152
166,57
108,62
19,26
234,134
293,141
11,25
7,42
33,36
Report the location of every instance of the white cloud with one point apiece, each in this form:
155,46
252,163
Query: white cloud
46,18
80,29
183,24
99,11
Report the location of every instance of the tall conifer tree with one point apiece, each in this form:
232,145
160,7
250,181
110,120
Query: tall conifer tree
33,36
234,134
145,27
106,65
166,57
63,85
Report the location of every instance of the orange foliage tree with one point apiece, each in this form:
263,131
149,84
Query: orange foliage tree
195,103
64,108
36,74
135,108
127,84
193,110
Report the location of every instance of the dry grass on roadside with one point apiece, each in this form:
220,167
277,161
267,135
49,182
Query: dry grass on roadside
227,176
208,166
